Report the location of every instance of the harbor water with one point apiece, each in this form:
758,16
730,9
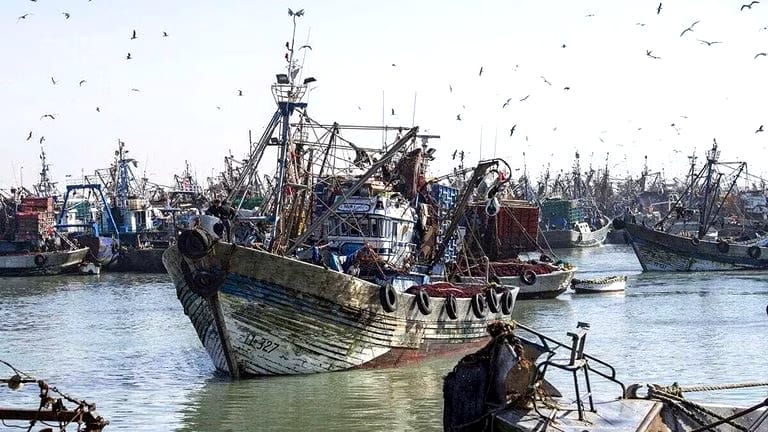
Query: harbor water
122,341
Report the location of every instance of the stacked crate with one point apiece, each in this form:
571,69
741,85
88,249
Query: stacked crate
511,231
34,218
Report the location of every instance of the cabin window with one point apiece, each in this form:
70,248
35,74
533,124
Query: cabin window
375,227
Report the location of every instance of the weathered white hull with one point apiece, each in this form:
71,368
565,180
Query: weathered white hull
261,314
545,286
660,251
596,286
41,263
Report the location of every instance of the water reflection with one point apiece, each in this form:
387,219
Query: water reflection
365,400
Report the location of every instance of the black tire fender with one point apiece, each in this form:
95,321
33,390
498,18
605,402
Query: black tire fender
479,305
451,308
204,283
507,302
492,300
754,252
723,247
423,302
40,260
528,277
388,298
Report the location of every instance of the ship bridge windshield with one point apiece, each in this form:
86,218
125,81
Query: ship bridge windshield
359,226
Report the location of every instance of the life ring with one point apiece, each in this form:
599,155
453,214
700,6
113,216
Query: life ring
388,298
492,300
695,241
204,283
528,277
722,247
451,307
479,305
423,302
40,260
507,301
754,252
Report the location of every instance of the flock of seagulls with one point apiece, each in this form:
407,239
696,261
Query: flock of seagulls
649,53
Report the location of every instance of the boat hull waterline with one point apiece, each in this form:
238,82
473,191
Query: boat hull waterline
660,251
41,263
266,314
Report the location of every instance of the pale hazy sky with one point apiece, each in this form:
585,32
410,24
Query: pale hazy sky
616,94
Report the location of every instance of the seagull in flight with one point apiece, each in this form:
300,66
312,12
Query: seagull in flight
298,13
393,111
760,54
481,71
512,130
760,129
506,102
748,6
566,88
305,46
133,36
545,80
42,138
23,17
454,154
54,81
82,82
458,117
525,98
658,9
128,57
690,28
708,43
649,53
136,90
50,116
239,92
98,109
66,15
29,137
165,34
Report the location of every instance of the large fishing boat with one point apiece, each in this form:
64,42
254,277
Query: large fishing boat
687,239
29,243
341,278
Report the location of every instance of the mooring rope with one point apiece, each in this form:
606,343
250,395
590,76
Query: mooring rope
715,387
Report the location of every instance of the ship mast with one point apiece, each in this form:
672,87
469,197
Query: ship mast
45,187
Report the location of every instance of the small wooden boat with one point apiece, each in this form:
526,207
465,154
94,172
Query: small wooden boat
600,285
41,263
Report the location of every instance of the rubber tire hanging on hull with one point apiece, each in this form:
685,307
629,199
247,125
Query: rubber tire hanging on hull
451,307
388,298
479,305
507,302
423,302
40,260
723,247
754,252
195,244
492,300
528,277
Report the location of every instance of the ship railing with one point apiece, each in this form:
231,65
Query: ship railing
288,92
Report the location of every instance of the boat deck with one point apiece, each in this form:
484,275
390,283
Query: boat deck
615,415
